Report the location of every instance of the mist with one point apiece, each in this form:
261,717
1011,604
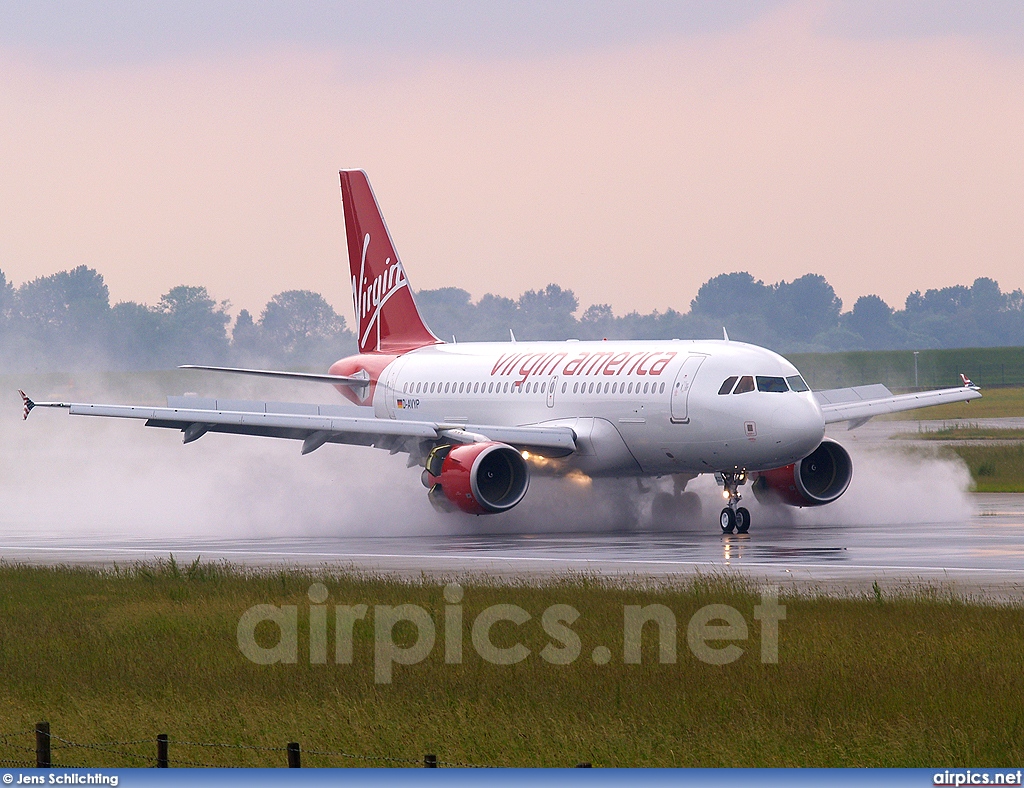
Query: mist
81,478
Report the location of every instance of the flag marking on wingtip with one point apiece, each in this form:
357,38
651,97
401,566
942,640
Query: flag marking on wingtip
27,404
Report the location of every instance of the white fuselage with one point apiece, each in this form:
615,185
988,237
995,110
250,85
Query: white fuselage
638,408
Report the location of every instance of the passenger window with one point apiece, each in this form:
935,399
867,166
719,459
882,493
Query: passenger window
771,384
564,387
727,385
605,388
797,383
490,388
543,388
576,387
746,384
662,391
476,388
645,387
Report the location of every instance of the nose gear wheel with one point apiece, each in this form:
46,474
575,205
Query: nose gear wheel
733,517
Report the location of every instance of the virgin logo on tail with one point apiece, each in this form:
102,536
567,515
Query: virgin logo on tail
386,314
371,299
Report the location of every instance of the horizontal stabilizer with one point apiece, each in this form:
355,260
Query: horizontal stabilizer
337,380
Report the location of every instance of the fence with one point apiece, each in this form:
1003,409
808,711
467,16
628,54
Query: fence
163,746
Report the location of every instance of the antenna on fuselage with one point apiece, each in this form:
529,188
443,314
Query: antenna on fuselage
725,334
511,335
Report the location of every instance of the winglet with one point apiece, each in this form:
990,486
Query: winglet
27,403
968,383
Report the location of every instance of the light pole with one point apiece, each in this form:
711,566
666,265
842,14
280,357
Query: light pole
915,367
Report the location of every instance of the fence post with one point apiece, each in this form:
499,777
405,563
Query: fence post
294,755
161,751
429,761
42,745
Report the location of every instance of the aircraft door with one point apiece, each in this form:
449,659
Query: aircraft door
551,390
390,386
681,388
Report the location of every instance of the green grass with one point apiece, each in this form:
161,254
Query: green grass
994,403
962,433
994,468
878,681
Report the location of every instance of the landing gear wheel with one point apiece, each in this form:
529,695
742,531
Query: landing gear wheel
727,520
742,520
663,509
689,506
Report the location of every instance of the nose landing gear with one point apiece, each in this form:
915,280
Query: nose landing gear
733,517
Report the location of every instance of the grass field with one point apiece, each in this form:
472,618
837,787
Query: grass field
882,681
994,468
994,403
962,433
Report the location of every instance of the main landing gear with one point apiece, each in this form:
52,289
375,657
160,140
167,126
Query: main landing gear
670,510
734,518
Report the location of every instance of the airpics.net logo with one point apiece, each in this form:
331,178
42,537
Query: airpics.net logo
713,633
968,777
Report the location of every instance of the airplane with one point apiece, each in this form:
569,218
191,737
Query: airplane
481,418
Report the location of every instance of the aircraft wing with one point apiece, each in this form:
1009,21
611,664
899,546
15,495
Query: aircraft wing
316,425
860,403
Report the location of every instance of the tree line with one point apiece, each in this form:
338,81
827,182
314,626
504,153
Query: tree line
65,321
804,315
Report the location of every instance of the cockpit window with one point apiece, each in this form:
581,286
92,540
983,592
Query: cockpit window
727,386
774,385
746,384
797,383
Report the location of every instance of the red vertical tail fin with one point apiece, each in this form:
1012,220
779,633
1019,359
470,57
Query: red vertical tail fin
386,314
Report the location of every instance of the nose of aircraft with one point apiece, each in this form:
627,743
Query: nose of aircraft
799,425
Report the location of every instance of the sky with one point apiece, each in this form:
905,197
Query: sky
626,150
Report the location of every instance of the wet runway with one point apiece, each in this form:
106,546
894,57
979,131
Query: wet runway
981,556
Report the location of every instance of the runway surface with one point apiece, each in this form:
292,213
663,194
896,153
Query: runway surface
982,556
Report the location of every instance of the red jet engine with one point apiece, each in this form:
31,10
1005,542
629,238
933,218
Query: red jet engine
478,478
819,478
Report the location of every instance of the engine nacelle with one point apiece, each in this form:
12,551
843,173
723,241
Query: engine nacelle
819,478
478,478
